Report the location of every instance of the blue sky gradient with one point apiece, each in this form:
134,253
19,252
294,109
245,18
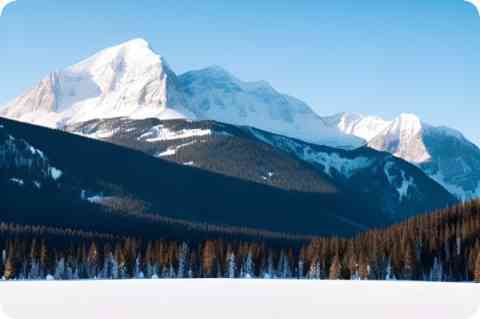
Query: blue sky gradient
371,56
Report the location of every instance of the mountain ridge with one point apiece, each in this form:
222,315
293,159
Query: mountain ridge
399,188
132,80
443,153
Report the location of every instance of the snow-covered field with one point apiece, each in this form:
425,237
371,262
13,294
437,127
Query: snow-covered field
231,299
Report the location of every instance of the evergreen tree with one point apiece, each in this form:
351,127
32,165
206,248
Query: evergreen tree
208,256
231,264
248,266
60,270
315,271
408,264
437,271
301,265
270,272
182,261
92,261
9,269
335,268
477,269
137,270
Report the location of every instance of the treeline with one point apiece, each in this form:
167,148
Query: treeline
443,246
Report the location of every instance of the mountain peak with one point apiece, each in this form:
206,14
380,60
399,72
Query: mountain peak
131,80
136,53
137,42
407,125
408,118
365,127
126,80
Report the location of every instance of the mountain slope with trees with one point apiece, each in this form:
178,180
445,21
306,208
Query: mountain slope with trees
98,174
400,189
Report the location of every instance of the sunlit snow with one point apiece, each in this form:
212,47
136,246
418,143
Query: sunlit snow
238,299
160,133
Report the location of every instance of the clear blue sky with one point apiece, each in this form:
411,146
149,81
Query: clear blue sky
370,56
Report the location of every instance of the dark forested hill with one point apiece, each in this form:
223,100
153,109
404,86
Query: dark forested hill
398,188
96,174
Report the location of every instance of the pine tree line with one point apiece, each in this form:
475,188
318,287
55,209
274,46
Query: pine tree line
442,246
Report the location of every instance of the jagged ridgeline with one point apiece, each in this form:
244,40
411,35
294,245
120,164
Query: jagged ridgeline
443,246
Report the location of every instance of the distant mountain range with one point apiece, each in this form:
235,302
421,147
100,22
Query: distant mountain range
441,152
131,80
232,141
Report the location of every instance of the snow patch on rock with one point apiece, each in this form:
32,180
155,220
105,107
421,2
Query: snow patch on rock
55,173
161,133
333,161
173,149
17,181
405,184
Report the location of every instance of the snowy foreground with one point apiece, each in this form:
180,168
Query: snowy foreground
245,299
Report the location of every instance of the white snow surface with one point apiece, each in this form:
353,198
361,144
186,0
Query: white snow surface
55,173
402,138
366,127
345,166
405,185
17,181
329,160
399,137
161,133
238,299
96,199
174,149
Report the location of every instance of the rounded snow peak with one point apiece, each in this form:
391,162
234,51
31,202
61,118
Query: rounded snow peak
136,42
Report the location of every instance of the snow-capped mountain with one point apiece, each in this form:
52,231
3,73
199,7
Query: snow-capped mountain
126,80
130,80
214,94
366,127
443,153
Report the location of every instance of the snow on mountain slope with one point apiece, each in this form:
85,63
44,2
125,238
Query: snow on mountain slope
126,80
239,299
212,146
272,159
403,139
366,127
21,163
215,94
402,189
443,153
130,80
